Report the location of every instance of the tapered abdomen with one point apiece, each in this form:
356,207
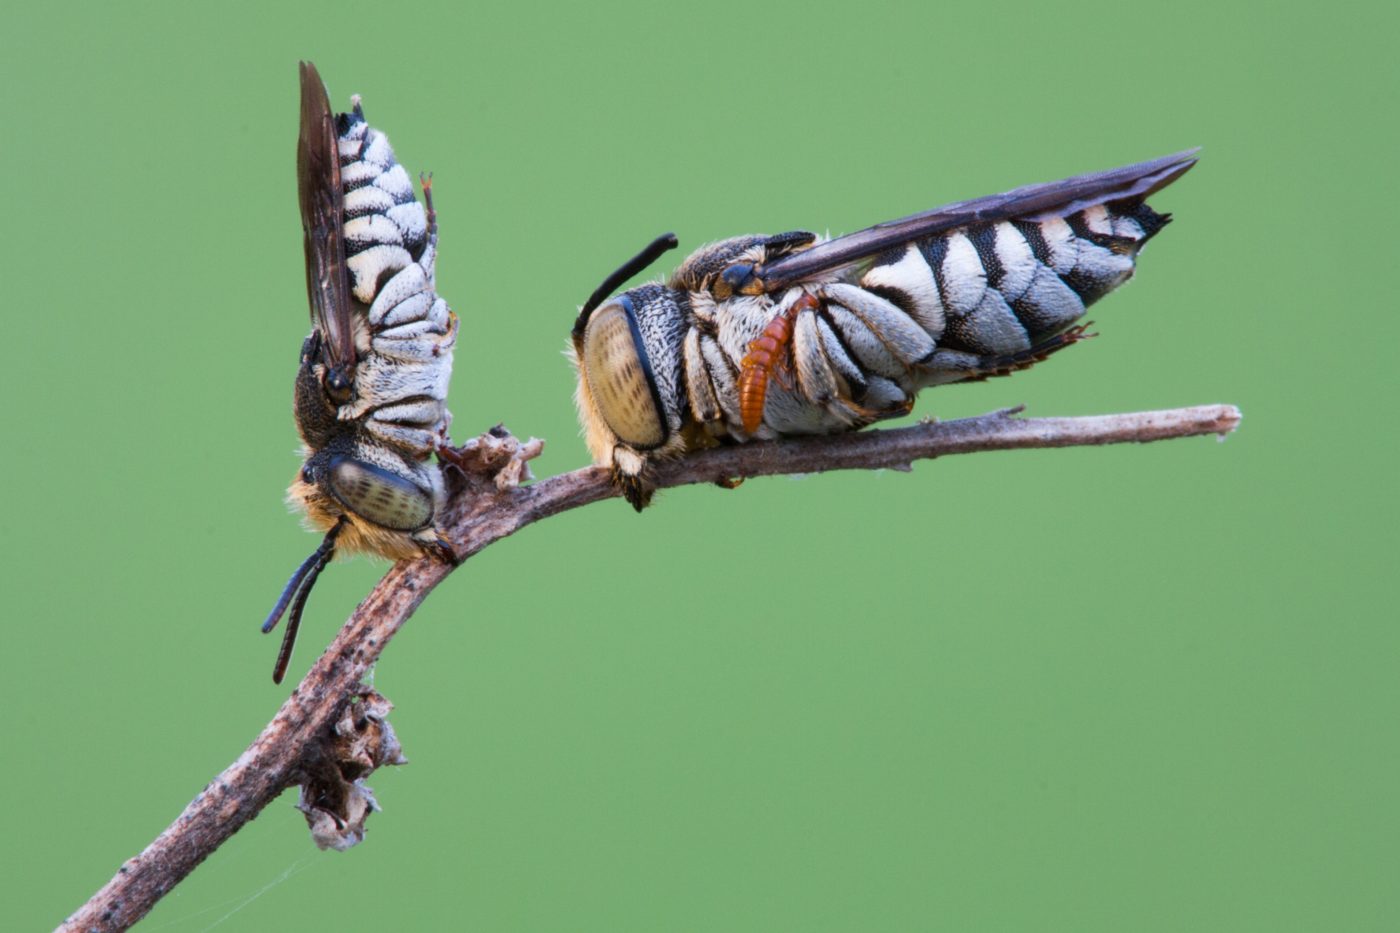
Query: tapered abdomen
993,292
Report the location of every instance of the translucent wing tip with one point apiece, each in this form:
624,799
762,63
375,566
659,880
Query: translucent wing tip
1029,202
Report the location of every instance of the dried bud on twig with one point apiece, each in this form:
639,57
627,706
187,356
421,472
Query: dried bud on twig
498,454
335,798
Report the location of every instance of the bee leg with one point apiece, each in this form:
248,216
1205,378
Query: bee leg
1005,365
629,477
783,370
452,456
883,399
976,369
445,552
633,489
729,482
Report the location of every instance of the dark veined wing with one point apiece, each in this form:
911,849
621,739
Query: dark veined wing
1032,202
322,222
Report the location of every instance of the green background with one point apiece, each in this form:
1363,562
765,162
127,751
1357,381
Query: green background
1130,688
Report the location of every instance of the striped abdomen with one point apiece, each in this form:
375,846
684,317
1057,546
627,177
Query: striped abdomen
385,226
390,252
1003,289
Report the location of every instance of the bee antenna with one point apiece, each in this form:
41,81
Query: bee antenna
289,591
299,588
653,251
289,639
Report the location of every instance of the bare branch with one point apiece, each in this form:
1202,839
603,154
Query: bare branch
487,505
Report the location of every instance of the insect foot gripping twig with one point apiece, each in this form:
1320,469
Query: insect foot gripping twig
334,796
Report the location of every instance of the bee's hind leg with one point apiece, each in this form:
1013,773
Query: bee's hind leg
629,476
956,366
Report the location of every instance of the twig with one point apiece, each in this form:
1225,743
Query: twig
487,505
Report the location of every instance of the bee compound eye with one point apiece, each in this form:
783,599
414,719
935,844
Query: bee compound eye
620,376
308,474
379,496
737,277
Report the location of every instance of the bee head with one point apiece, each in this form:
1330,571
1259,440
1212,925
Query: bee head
385,496
626,349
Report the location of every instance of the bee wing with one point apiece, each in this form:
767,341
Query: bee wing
322,220
1031,202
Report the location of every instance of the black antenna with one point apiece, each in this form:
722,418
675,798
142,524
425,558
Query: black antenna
289,591
289,639
296,592
663,243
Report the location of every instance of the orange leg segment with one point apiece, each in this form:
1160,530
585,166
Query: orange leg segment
765,353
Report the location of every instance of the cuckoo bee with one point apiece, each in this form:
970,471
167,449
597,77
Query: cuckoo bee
370,394
759,337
